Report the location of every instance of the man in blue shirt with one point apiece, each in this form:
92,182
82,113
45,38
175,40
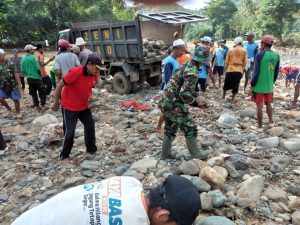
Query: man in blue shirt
218,61
170,66
252,50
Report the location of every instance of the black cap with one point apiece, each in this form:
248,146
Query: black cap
95,58
182,199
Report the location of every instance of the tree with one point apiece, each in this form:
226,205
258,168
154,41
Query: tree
220,13
195,31
273,14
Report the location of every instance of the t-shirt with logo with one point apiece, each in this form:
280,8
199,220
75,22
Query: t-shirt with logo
77,89
115,201
266,69
219,55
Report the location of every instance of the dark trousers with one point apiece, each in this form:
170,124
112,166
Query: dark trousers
69,125
36,86
23,82
2,142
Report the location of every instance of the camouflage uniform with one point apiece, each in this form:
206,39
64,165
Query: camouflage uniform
7,76
180,91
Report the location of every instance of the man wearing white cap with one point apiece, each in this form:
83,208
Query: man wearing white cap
84,52
235,64
31,68
170,66
10,83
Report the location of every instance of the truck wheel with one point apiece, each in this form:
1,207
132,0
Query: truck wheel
154,81
134,87
121,83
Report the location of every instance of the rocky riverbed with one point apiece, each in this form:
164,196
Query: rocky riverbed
251,175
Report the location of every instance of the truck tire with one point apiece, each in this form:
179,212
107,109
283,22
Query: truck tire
121,83
154,81
134,87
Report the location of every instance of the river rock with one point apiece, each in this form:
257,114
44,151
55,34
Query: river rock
144,164
215,161
218,198
4,197
200,184
248,112
90,165
276,131
251,188
294,204
215,220
206,202
231,170
275,193
212,177
271,142
239,161
42,121
190,168
222,171
292,145
73,181
296,218
227,120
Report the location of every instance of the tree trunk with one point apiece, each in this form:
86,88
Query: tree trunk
2,142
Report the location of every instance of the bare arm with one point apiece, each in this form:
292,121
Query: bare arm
57,95
59,74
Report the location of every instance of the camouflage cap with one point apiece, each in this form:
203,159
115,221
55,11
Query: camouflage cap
201,54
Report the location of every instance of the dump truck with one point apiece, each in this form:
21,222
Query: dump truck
122,45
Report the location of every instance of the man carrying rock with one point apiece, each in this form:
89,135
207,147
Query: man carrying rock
84,52
31,68
181,91
235,64
266,69
74,90
10,84
119,200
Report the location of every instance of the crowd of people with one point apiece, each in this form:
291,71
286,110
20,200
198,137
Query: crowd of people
186,76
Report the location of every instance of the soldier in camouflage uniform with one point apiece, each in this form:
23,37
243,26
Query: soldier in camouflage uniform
180,91
10,84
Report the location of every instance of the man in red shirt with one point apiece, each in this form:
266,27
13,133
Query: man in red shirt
74,91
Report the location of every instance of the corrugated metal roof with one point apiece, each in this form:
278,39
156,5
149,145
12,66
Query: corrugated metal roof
174,17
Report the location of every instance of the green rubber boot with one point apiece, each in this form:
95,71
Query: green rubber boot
166,148
193,148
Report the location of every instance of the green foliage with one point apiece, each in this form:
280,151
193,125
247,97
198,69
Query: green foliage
194,31
273,14
220,13
32,20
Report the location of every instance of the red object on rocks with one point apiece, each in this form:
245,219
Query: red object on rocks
136,105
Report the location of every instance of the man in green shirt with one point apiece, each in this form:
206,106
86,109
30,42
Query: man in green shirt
31,68
266,68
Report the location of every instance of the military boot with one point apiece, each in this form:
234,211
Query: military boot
193,148
166,148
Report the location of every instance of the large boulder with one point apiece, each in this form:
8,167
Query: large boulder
251,188
275,194
227,120
292,145
212,177
42,121
271,142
